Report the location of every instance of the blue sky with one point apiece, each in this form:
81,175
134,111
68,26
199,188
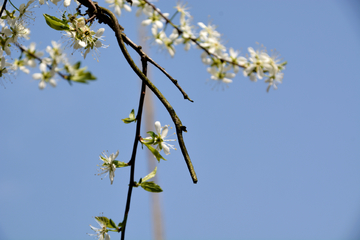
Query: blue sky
277,165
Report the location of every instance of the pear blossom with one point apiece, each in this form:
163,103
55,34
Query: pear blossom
24,10
275,65
235,60
141,4
31,55
274,81
18,30
167,42
108,167
83,37
20,64
100,233
56,53
118,5
45,76
259,61
154,18
221,74
159,140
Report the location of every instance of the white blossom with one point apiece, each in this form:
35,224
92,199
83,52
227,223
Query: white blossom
45,76
31,55
274,80
108,166
118,5
221,74
258,61
56,53
100,233
159,140
20,64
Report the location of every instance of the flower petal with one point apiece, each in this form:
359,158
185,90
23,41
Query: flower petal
158,127
164,131
165,148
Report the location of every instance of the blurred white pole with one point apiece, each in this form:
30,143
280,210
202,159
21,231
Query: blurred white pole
148,125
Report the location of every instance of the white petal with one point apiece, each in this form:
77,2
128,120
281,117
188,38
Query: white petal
164,132
98,44
52,82
159,24
127,8
99,32
116,154
107,236
111,175
7,50
165,148
37,76
227,80
86,52
253,77
230,75
43,67
202,25
158,127
146,22
67,3
42,85
117,10
82,44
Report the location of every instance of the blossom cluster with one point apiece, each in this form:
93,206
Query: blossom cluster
223,64
15,29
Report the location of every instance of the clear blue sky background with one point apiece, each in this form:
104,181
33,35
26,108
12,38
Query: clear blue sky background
277,165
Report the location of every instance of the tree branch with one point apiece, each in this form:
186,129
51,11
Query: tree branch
106,16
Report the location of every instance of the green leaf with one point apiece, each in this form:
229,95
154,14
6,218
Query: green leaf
151,187
132,114
112,223
78,74
109,223
155,152
119,164
131,117
152,134
56,23
103,220
149,176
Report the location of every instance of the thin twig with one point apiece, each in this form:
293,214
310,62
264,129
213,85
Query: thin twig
3,8
136,140
139,50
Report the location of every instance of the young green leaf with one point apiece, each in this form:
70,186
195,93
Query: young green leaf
103,220
149,176
151,187
56,23
131,117
119,164
155,152
112,223
152,134
78,74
